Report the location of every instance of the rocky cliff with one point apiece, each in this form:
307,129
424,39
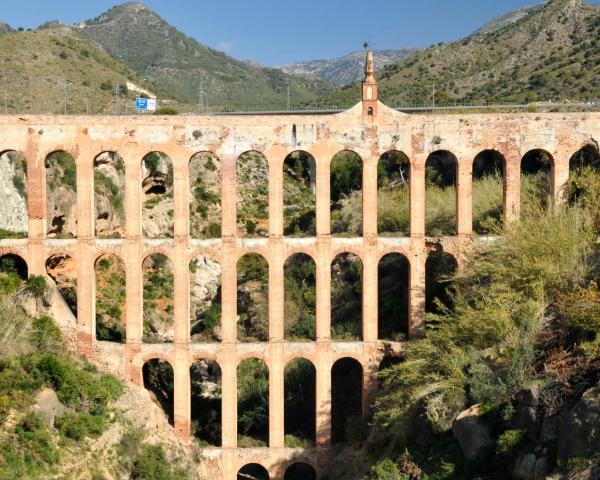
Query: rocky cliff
13,191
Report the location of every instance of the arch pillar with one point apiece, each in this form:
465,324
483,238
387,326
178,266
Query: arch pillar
276,290
416,300
464,198
181,292
229,415
228,195
276,397
36,209
323,395
323,195
86,279
369,197
560,176
275,163
512,185
417,195
323,288
370,290
182,394
229,292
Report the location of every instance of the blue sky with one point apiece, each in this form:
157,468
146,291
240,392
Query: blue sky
283,31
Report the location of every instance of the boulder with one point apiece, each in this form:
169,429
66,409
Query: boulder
472,433
579,427
528,413
524,467
48,406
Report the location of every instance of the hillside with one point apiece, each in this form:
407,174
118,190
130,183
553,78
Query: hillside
36,65
550,54
5,28
177,63
508,18
346,69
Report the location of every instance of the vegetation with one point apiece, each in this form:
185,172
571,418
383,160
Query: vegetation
157,210
300,305
110,299
109,188
253,298
253,403
205,204
158,299
346,297
252,177
346,194
299,200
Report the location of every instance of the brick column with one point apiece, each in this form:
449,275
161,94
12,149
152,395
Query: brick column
229,397
560,176
323,394
85,261
322,199
276,397
182,394
464,197
417,195
275,196
370,300
181,269
323,288
36,206
416,303
276,289
228,195
512,185
369,197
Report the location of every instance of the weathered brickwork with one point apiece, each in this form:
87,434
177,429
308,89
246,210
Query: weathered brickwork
370,133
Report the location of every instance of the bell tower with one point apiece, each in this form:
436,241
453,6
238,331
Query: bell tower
369,88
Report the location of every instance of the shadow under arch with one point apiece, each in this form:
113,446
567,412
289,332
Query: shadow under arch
300,404
158,379
206,414
537,179
253,403
393,293
253,471
300,471
346,398
440,266
393,194
13,264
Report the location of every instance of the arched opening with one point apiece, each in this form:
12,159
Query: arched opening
13,272
299,195
439,269
253,403
157,188
346,194
584,171
205,196
13,191
252,177
393,194
205,378
346,297
488,192
536,180
109,195
158,299
300,471
253,298
110,299
300,403
61,268
253,471
440,194
393,289
158,379
300,302
205,299
346,399
61,195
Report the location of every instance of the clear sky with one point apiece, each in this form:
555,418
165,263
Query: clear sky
283,31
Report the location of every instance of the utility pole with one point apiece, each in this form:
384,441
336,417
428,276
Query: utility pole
288,97
433,97
117,92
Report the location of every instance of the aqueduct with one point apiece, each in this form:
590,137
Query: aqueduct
370,129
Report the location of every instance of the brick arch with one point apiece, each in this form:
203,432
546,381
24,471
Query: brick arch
157,356
157,251
355,250
247,250
105,252
289,255
20,252
244,463
256,356
300,460
311,357
291,250
72,150
401,251
208,357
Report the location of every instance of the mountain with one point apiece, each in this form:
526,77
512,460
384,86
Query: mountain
5,28
508,18
552,53
346,69
37,64
137,36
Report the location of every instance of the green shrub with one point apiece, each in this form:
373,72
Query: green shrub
508,441
166,111
78,426
37,286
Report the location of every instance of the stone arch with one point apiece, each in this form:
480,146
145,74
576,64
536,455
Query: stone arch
299,194
439,267
346,297
300,305
205,195
205,388
13,264
584,165
253,403
158,378
488,192
586,156
393,194
109,196
393,297
537,171
61,195
61,268
157,195
252,180
13,191
440,193
110,294
157,271
346,179
205,299
253,471
253,298
346,397
300,403
300,471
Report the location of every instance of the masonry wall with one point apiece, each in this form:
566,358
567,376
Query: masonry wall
322,136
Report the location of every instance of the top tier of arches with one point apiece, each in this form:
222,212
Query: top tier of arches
296,196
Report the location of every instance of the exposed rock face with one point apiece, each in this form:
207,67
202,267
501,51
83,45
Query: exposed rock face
528,413
157,184
472,433
13,192
61,195
48,406
580,427
252,195
109,186
62,269
205,292
529,467
158,299
205,199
